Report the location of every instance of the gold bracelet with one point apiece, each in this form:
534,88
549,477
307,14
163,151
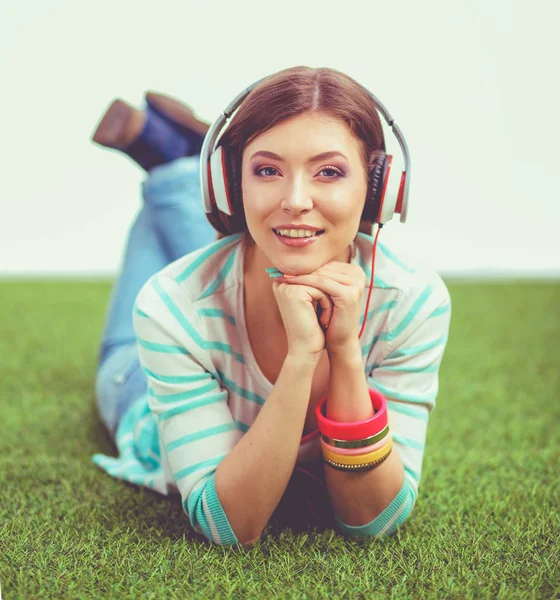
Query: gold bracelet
359,459
356,468
369,441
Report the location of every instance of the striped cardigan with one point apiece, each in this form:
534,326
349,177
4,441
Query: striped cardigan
205,388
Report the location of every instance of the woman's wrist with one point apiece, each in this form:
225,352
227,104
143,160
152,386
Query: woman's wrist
303,360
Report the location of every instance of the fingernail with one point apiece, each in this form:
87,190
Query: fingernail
272,270
272,275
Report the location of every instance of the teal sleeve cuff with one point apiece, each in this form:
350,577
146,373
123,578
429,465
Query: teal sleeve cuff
208,516
387,522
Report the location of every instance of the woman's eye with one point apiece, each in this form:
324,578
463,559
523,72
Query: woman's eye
331,169
258,171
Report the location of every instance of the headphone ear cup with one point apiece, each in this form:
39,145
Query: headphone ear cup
376,187
233,174
225,181
221,181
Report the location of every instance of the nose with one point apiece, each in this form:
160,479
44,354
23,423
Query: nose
297,196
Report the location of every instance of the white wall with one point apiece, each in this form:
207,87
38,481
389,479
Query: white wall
472,84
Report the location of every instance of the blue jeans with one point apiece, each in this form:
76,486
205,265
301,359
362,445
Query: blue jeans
171,223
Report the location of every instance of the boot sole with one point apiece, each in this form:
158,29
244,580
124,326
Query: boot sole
112,127
177,111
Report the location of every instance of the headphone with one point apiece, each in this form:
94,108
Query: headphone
216,166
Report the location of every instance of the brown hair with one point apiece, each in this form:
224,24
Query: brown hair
283,95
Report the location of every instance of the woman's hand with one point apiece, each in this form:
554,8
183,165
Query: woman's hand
344,284
298,305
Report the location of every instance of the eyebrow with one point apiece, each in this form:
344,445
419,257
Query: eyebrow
321,156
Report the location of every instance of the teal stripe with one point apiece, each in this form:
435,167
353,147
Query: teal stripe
122,432
199,435
412,313
191,331
407,319
221,522
187,395
378,282
176,378
192,500
139,312
135,472
394,258
367,348
180,350
183,408
402,505
198,520
152,463
216,284
196,467
427,369
418,349
248,394
406,441
381,308
216,312
201,520
165,348
407,410
413,474
440,311
227,349
179,316
243,426
212,249
406,397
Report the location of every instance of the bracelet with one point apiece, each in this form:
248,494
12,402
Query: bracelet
356,443
361,459
355,468
357,430
356,451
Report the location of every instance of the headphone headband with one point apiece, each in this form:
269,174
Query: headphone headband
209,145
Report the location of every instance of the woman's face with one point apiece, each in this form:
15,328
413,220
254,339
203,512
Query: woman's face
293,187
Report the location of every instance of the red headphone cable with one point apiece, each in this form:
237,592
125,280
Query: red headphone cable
372,278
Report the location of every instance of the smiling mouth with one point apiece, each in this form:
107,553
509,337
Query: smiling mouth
303,237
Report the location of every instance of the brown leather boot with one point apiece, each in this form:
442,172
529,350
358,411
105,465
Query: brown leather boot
147,137
177,112
119,126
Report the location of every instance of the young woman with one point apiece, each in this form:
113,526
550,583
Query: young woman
211,372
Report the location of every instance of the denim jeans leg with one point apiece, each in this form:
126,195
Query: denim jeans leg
170,224
119,382
143,256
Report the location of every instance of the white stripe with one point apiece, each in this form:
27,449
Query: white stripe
126,438
215,535
395,517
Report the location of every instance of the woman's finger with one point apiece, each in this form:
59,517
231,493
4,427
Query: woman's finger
327,309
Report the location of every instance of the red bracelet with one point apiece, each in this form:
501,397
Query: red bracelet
356,430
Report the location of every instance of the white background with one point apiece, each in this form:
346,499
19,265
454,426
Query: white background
473,86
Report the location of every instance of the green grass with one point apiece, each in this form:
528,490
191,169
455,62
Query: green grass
486,524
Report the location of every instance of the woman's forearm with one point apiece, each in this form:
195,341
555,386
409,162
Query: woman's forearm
359,497
251,480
